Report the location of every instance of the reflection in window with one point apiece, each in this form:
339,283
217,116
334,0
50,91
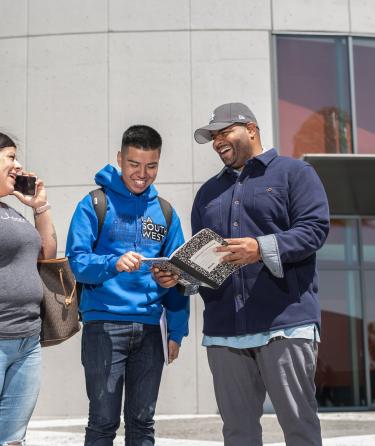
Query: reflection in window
370,321
340,247
314,106
368,241
364,75
314,100
371,349
340,377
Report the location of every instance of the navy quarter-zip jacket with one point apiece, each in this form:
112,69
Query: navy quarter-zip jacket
274,196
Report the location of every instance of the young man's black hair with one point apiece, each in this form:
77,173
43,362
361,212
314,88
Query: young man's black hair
142,137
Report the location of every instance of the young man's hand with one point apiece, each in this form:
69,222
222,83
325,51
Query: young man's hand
173,350
165,279
129,262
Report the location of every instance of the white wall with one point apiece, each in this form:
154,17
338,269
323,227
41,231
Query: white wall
74,75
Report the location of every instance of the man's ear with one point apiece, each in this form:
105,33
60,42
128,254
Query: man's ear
252,129
119,158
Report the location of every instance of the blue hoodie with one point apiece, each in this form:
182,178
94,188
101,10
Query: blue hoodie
132,223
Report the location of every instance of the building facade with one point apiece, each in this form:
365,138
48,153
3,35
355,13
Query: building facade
75,74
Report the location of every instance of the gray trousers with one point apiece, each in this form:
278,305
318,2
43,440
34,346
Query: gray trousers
284,368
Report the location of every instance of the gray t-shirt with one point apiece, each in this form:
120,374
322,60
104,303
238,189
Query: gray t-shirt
21,289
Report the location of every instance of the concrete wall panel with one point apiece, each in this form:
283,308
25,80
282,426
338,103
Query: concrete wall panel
205,391
205,397
310,15
236,14
13,18
13,56
362,16
63,391
180,376
150,15
223,71
56,16
63,200
67,108
181,197
150,84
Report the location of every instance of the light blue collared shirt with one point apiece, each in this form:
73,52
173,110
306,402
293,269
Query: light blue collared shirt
308,331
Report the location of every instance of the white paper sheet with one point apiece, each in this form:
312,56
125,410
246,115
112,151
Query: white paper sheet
164,334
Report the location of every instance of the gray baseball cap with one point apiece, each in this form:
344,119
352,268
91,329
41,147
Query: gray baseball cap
224,116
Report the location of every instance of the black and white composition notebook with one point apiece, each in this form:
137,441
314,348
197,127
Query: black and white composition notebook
196,262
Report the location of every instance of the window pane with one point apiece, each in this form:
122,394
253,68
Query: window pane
313,88
370,319
340,377
368,243
340,248
364,76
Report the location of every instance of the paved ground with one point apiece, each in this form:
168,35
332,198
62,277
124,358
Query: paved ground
339,429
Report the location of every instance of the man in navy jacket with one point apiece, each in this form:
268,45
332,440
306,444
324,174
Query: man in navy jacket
261,327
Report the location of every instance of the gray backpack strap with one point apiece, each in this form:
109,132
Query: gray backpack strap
99,201
167,210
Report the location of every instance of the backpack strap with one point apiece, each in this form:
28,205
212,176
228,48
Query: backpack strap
167,210
99,201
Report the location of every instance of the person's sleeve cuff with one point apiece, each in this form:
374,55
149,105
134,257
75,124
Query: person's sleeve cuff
269,252
112,270
187,290
176,337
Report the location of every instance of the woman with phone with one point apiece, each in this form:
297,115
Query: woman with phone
21,244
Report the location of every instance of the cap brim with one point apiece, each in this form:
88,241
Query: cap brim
203,134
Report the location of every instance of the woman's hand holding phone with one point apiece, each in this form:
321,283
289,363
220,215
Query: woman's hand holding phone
26,184
30,190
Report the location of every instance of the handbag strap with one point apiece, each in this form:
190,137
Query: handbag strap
68,297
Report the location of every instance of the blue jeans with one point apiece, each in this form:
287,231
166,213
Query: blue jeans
20,368
118,355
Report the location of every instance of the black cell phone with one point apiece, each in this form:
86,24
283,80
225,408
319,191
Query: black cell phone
25,184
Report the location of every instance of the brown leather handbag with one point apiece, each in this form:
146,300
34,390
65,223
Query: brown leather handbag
59,309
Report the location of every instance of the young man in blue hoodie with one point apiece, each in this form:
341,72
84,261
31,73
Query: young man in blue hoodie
261,327
121,303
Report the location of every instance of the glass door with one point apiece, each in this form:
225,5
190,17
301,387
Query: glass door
341,377
368,274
